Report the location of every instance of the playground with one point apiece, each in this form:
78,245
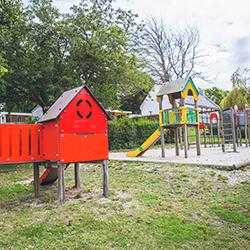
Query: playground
192,193
124,125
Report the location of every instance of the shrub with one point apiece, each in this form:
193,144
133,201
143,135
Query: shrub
127,133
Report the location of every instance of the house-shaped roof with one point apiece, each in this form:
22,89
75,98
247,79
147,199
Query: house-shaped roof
150,106
180,88
63,101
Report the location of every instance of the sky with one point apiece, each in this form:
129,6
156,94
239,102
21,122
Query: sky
224,29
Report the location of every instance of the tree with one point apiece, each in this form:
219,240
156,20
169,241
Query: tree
49,52
172,54
241,79
106,58
215,94
235,97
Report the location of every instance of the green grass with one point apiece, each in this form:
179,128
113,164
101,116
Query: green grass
151,206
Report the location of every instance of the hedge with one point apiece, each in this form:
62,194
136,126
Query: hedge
128,133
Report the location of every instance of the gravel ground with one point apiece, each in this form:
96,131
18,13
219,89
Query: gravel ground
213,157
236,176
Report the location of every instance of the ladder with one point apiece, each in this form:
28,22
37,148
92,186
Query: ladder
228,129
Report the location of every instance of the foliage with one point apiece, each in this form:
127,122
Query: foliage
3,69
240,94
215,94
127,133
151,206
49,52
237,96
241,79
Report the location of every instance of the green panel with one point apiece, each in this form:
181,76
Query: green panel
191,116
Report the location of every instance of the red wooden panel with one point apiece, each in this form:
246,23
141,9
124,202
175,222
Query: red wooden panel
19,143
83,115
50,140
14,132
5,143
80,147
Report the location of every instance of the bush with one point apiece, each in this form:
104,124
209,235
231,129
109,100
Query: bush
127,133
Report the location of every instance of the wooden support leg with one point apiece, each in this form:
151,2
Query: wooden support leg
218,132
176,141
205,137
77,175
61,187
162,143
245,129
105,172
185,141
240,136
188,138
36,179
233,130
198,140
180,138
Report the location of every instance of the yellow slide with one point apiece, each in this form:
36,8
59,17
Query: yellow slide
152,139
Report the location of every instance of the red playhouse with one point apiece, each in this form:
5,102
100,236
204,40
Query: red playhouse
73,130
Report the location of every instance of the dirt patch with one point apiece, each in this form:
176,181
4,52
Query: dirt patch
74,193
3,182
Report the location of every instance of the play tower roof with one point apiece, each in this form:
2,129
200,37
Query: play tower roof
180,88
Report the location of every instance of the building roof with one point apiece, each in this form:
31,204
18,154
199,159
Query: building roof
178,88
203,102
63,101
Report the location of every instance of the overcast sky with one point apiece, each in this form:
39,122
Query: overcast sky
224,28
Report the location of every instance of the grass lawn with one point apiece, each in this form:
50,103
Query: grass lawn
151,206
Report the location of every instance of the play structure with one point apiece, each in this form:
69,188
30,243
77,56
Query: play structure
235,127
73,130
180,117
211,126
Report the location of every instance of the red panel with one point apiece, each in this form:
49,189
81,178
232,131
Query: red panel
83,115
213,116
80,148
19,143
50,140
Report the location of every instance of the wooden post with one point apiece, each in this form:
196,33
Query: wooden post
240,135
105,172
211,133
222,132
218,131
77,175
185,141
205,137
176,138
188,138
36,180
61,187
180,137
233,130
245,127
197,130
162,131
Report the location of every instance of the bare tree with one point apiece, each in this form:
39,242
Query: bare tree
172,54
241,78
